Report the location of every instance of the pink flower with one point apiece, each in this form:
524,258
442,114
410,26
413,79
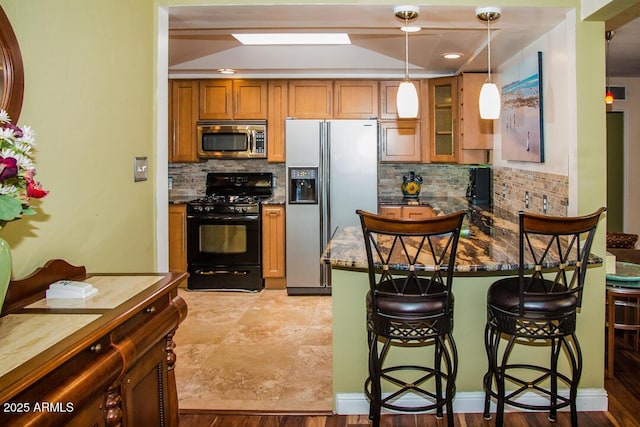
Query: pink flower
16,130
34,189
8,168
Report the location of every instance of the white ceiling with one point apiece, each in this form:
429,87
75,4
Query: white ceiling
200,40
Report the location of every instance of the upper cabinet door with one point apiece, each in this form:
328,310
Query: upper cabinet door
310,99
277,117
250,99
475,133
183,114
233,99
400,141
443,96
355,99
216,100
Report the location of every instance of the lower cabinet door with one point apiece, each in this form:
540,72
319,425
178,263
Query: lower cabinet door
143,390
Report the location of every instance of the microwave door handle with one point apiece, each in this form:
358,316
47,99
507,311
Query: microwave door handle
251,141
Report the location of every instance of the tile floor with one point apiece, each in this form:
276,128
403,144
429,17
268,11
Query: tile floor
262,351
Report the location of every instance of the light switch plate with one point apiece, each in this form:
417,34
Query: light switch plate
140,169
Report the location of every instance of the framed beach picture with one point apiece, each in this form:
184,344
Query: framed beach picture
521,113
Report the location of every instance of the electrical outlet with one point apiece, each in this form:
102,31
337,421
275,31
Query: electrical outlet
526,199
504,190
170,183
545,204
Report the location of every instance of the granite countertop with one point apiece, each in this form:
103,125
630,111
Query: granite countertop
275,200
488,242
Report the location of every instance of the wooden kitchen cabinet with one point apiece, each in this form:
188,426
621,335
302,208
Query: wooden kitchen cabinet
183,115
310,99
178,237
388,94
355,99
273,246
475,134
400,141
232,99
276,119
406,211
443,141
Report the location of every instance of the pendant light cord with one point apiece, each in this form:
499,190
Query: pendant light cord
606,71
489,45
406,49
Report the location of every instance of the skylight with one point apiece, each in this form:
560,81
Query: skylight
293,38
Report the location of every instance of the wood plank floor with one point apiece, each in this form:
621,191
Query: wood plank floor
624,410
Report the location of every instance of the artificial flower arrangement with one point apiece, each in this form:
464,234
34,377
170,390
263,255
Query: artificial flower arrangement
17,171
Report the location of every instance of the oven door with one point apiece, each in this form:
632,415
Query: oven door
223,240
224,252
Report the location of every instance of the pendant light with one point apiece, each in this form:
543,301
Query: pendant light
489,101
407,97
608,98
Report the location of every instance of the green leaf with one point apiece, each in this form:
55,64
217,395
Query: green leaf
10,208
28,210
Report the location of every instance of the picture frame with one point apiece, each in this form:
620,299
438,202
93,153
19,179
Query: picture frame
521,112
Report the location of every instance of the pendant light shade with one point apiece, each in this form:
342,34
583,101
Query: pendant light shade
407,97
489,101
608,98
407,100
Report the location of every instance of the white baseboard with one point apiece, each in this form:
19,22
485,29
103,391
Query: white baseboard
589,399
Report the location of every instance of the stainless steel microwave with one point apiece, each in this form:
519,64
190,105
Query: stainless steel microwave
232,139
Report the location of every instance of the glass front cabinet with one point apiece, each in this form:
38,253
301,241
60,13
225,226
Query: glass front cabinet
442,119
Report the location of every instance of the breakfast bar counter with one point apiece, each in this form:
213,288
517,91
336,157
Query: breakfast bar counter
488,247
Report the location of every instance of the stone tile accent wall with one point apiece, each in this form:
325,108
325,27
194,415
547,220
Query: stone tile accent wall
440,180
189,179
437,179
510,186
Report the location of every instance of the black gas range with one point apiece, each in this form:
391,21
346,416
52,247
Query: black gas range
224,232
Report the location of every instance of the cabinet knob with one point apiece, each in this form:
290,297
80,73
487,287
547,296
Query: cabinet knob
96,348
150,309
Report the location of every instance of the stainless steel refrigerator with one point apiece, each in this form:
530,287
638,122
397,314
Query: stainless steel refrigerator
331,171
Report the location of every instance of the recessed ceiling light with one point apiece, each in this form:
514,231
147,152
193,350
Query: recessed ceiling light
226,71
452,55
410,29
292,38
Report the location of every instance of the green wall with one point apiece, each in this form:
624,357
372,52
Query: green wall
89,95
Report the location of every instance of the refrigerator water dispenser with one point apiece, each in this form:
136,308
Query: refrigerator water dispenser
303,185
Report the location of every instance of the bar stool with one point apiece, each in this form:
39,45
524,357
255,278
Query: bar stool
536,309
410,304
623,309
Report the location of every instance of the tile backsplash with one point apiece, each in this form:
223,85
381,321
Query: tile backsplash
188,180
511,185
437,179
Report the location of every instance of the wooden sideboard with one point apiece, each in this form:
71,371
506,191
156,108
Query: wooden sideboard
104,361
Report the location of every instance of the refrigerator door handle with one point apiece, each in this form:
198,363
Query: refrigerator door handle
321,186
325,219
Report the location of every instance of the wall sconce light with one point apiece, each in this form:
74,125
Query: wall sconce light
489,101
608,98
407,97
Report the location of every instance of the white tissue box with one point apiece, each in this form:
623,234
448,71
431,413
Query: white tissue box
70,289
